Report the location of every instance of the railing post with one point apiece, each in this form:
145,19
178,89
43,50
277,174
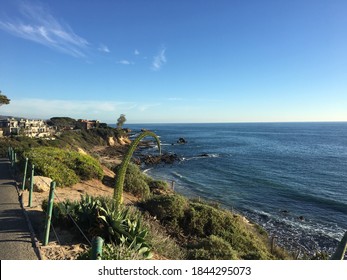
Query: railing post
14,162
341,249
25,174
97,248
273,244
49,213
10,155
12,158
31,185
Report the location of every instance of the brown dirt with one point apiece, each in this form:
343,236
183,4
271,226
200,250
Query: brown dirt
67,246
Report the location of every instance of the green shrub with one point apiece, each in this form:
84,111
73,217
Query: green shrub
162,243
203,220
64,167
86,167
158,186
141,185
138,187
114,252
167,208
136,182
212,248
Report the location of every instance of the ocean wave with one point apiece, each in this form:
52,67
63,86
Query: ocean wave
177,175
297,234
146,170
202,156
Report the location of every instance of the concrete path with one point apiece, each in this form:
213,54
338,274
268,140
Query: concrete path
15,239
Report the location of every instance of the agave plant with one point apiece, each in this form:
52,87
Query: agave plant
137,238
88,210
118,190
114,222
121,229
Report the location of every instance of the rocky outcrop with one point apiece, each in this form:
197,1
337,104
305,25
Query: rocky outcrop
164,158
41,184
182,141
110,141
123,140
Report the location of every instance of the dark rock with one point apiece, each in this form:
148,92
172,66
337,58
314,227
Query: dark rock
204,155
164,158
182,141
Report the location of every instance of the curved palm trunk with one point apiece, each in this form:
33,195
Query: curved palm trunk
118,190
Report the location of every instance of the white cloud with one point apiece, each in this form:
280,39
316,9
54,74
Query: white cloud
38,25
125,62
105,111
136,52
145,107
175,99
159,60
43,108
104,49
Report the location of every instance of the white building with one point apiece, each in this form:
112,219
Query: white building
26,127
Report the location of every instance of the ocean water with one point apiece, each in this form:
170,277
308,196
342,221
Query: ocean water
291,178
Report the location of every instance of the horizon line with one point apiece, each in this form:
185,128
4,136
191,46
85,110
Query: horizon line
235,122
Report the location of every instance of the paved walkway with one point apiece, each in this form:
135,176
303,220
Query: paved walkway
15,238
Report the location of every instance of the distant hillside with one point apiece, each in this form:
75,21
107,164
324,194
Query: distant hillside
61,122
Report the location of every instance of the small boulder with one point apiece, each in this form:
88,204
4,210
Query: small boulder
41,184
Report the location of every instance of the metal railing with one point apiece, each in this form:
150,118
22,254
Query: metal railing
96,243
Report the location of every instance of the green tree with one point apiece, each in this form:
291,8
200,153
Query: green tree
120,121
3,99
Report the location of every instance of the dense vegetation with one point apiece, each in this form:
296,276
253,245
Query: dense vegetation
127,234
141,185
209,231
69,139
63,166
62,122
202,230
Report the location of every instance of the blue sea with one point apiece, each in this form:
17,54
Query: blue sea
291,178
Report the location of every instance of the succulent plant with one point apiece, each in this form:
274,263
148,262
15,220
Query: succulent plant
118,190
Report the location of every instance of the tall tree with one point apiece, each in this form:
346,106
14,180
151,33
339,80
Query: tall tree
121,120
3,99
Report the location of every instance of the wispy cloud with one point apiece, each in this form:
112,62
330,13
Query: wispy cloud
37,24
44,108
159,60
145,107
104,48
125,62
136,52
175,99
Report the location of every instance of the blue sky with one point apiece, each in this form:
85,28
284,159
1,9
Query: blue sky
175,61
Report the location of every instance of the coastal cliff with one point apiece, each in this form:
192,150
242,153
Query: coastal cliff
191,228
